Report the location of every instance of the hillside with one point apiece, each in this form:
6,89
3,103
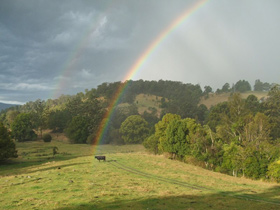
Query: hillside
214,98
129,179
5,106
145,102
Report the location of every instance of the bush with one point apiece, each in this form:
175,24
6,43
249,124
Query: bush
274,171
7,146
151,144
22,128
47,137
77,130
134,129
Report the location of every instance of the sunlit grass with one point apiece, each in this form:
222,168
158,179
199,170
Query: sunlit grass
129,179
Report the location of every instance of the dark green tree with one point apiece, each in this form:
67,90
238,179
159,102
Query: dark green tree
88,112
38,119
22,128
242,86
176,139
58,120
252,104
260,86
134,129
47,137
255,165
226,88
151,144
214,118
207,90
201,113
77,130
272,110
161,126
151,117
7,146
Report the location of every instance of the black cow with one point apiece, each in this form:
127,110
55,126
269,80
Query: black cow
101,158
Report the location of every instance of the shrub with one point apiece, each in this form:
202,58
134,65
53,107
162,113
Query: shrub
22,128
274,171
77,130
7,146
151,144
47,137
134,129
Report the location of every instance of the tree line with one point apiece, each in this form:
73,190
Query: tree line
242,86
238,137
80,115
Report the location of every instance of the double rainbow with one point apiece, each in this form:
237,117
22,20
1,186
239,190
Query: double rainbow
139,63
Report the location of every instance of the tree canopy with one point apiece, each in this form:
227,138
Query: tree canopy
134,129
7,146
22,128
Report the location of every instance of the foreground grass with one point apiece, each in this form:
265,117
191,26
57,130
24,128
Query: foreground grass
129,179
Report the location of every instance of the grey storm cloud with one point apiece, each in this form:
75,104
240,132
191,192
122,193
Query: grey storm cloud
81,44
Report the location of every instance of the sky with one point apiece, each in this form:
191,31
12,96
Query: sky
49,47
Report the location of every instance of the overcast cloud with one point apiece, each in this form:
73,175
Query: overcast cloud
49,47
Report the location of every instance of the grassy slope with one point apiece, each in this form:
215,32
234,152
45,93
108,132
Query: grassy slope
218,98
130,179
144,101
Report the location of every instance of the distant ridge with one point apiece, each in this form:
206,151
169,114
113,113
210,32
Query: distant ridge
5,106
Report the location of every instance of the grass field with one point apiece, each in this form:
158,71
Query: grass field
145,101
129,179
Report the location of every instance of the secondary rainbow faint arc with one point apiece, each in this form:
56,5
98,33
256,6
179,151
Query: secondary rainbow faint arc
68,66
139,63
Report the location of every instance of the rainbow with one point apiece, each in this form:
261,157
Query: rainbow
69,65
139,63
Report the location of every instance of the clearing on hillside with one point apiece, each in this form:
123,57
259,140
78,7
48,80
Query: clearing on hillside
146,102
214,98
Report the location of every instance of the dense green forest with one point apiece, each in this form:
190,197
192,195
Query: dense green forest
238,137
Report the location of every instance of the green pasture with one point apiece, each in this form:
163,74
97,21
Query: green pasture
129,179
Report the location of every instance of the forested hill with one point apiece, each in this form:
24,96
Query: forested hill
237,136
88,108
176,97
186,100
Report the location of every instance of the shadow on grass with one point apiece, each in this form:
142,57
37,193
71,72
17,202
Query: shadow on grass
219,201
18,167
